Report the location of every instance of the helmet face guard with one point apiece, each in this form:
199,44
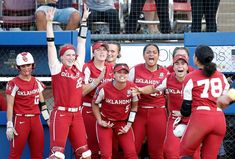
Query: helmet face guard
24,58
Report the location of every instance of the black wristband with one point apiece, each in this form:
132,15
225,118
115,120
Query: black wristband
50,39
41,104
82,31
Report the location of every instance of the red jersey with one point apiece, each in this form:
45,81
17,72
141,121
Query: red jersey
91,72
202,90
67,86
174,92
26,95
116,104
143,77
3,104
170,68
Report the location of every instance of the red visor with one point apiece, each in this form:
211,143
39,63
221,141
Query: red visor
121,67
65,48
97,45
180,57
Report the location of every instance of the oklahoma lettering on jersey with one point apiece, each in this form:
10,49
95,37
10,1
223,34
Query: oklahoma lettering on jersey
67,87
144,77
26,95
174,92
204,90
91,72
116,104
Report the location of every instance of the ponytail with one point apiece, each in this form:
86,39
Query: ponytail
209,69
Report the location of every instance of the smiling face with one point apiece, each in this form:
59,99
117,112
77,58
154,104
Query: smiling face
121,76
100,54
151,56
68,58
26,70
113,53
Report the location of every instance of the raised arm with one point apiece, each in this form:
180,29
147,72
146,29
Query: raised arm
82,32
52,53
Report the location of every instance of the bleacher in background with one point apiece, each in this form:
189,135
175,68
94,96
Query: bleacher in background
180,14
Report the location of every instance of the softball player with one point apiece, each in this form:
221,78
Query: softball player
117,103
173,87
151,119
24,96
180,51
207,124
67,78
96,71
114,52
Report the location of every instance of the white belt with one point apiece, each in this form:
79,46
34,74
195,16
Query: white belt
86,104
67,109
207,108
146,107
26,115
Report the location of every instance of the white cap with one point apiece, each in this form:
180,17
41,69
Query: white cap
24,58
179,130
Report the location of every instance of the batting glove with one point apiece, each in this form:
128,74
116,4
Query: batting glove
10,131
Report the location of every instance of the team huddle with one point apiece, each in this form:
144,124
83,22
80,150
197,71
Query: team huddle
108,110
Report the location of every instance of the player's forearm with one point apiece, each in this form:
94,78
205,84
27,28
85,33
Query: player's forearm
96,112
147,89
10,105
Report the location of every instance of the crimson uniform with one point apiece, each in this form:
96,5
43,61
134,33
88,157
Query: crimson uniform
116,106
151,117
207,122
174,96
91,72
26,114
66,118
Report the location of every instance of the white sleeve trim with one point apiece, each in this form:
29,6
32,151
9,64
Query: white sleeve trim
100,96
162,86
187,92
14,90
87,74
131,76
55,68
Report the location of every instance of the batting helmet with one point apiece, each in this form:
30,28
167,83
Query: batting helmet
24,58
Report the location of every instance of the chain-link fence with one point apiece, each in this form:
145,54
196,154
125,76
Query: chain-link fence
125,16
224,57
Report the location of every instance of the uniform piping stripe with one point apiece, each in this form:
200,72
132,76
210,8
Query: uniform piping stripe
54,131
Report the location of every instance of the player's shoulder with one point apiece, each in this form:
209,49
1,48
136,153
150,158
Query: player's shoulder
139,66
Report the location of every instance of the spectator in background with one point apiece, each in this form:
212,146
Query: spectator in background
69,16
103,11
209,10
3,105
162,11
